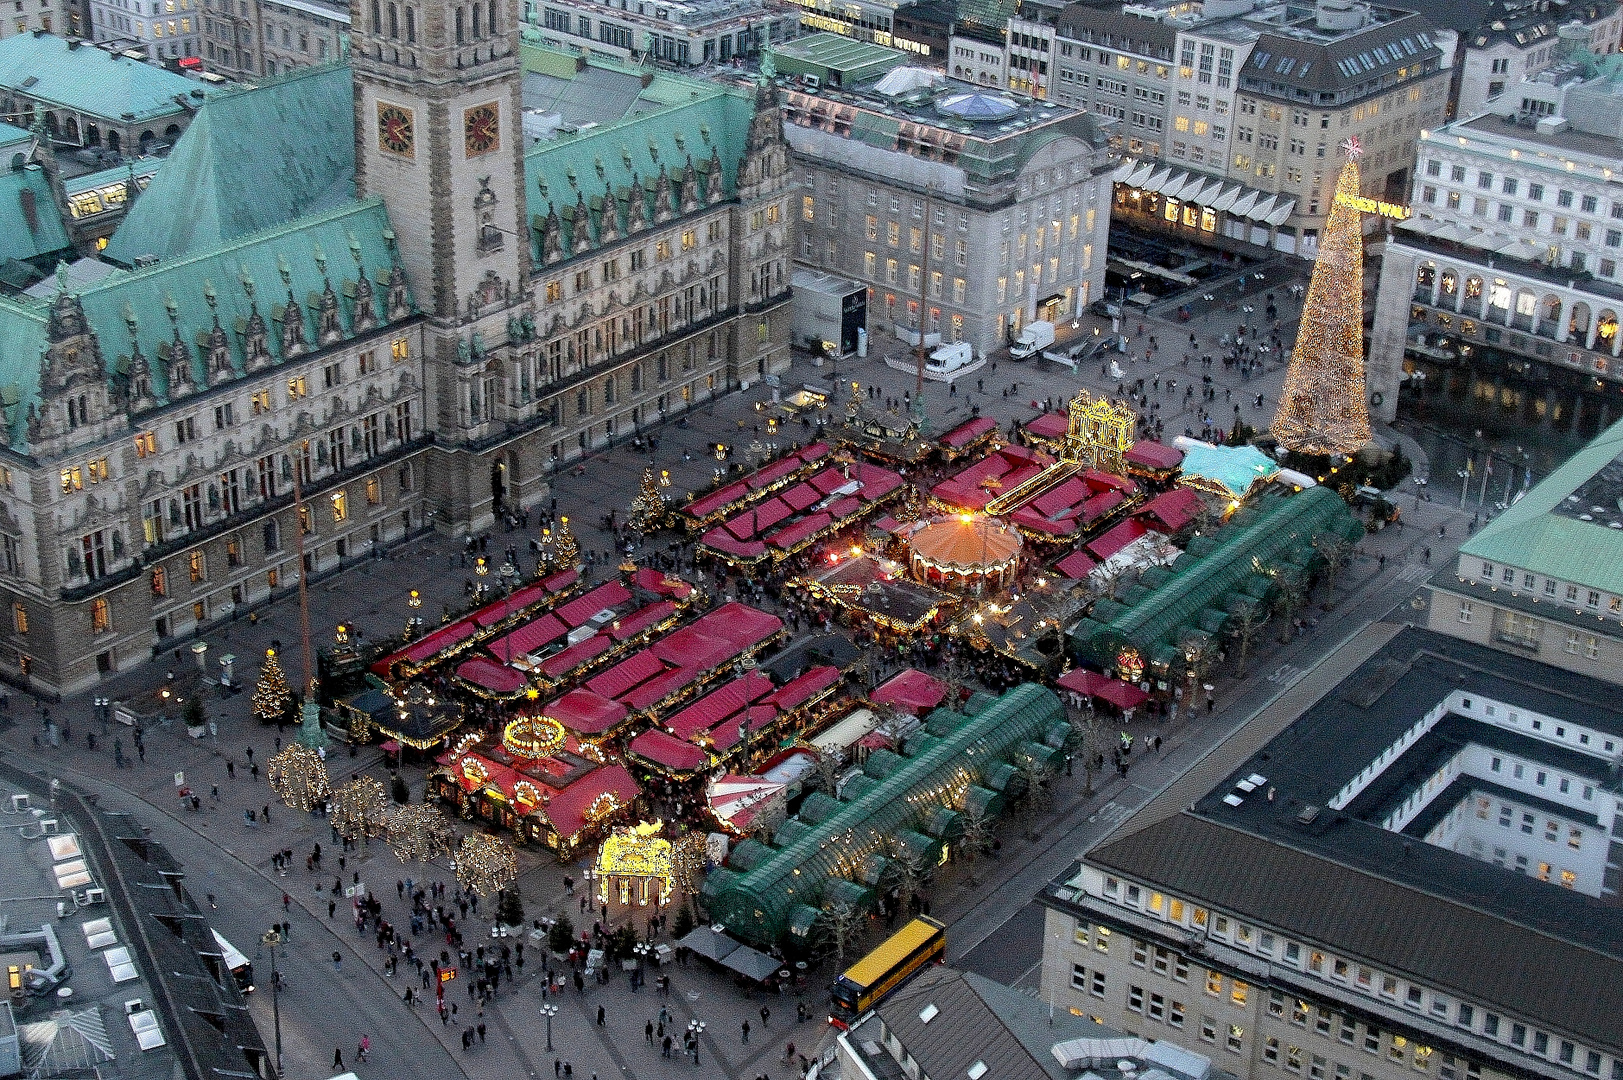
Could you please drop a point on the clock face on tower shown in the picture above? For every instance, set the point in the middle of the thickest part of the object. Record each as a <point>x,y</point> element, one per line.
<point>396,132</point>
<point>481,129</point>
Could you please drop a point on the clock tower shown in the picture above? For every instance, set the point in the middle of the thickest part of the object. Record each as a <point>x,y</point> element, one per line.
<point>438,136</point>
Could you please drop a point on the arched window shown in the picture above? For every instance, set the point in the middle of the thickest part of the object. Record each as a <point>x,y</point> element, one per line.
<point>411,25</point>
<point>394,21</point>
<point>492,20</point>
<point>459,37</point>
<point>377,21</point>
<point>476,21</point>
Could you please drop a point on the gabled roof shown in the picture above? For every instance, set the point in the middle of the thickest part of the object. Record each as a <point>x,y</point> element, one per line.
<point>1531,535</point>
<point>30,222</point>
<point>252,159</point>
<point>92,81</point>
<point>574,170</point>
<point>350,240</point>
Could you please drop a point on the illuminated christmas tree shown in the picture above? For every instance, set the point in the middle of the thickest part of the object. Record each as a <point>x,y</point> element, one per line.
<point>565,552</point>
<point>648,508</point>
<point>271,692</point>
<point>1323,408</point>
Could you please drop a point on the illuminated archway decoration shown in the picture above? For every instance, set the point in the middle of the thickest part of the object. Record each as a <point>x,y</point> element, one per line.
<point>635,862</point>
<point>526,794</point>
<point>474,771</point>
<point>602,807</point>
<point>533,737</point>
<point>1099,434</point>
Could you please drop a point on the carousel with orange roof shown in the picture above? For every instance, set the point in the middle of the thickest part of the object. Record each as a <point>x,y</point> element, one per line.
<point>966,553</point>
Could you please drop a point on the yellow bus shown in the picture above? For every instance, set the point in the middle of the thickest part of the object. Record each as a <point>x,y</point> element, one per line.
<point>865,983</point>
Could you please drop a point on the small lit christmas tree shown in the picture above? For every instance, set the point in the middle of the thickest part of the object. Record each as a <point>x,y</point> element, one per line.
<point>1323,408</point>
<point>648,508</point>
<point>565,552</point>
<point>271,692</point>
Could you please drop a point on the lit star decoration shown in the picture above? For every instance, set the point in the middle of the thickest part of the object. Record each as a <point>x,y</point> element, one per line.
<point>484,864</point>
<point>299,777</point>
<point>1352,148</point>
<point>1323,408</point>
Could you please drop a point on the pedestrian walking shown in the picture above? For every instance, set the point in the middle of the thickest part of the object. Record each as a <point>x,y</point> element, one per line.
<point>746,1033</point>
<point>602,1017</point>
<point>648,1032</point>
<point>766,1014</point>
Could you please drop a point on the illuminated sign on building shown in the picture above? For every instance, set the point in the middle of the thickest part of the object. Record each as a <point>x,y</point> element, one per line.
<point>1373,206</point>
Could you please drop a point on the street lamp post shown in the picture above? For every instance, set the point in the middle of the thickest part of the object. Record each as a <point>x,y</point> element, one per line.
<point>549,1011</point>
<point>695,1029</point>
<point>273,938</point>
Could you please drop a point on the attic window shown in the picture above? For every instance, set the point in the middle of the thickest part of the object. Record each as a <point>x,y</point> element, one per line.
<point>29,82</point>
<point>977,1070</point>
<point>928,1013</point>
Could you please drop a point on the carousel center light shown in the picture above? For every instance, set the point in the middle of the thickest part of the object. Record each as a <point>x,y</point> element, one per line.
<point>533,736</point>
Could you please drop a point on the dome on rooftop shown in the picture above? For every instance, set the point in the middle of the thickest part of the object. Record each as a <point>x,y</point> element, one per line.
<point>978,106</point>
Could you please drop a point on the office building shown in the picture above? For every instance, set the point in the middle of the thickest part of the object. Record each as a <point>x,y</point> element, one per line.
<point>1416,876</point>
<point>990,210</point>
<point>683,33</point>
<point>1504,281</point>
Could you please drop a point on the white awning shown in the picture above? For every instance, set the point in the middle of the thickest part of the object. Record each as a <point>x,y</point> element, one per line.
<point>1225,200</point>
<point>1452,231</point>
<point>1484,240</point>
<point>1265,206</point>
<point>1141,174</point>
<point>1192,187</point>
<point>1521,249</point>
<point>1244,204</point>
<point>1281,212</point>
<point>1158,181</point>
<point>1124,170</point>
<point>1208,192</point>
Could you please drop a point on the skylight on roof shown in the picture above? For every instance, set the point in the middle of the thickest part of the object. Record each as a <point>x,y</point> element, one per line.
<point>1262,59</point>
<point>1306,67</point>
<point>977,1070</point>
<point>928,1013</point>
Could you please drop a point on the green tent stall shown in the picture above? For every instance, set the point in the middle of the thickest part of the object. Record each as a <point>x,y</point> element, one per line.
<point>823,864</point>
<point>748,854</point>
<point>984,801</point>
<point>818,807</point>
<point>1264,537</point>
<point>944,824</point>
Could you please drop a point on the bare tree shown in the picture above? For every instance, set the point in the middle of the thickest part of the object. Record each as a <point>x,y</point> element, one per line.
<point>1038,776</point>
<point>842,924</point>
<point>1336,549</point>
<point>1088,739</point>
<point>1248,622</point>
<point>1292,594</point>
<point>977,838</point>
<point>828,769</point>
<point>911,869</point>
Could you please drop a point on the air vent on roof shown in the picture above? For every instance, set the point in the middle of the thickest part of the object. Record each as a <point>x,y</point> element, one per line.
<point>928,1013</point>
<point>1308,815</point>
<point>1233,800</point>
<point>977,1070</point>
<point>30,81</point>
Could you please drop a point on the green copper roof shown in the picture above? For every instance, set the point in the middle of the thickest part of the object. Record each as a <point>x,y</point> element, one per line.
<point>30,223</point>
<point>91,80</point>
<point>169,300</point>
<point>1543,532</point>
<point>11,134</point>
<point>571,173</point>
<point>251,160</point>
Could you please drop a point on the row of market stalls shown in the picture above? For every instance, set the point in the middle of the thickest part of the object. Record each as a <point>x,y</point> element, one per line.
<point>911,798</point>
<point>784,524</point>
<point>1149,625</point>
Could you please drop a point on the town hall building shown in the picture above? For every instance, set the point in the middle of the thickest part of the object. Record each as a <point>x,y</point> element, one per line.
<point>360,302</point>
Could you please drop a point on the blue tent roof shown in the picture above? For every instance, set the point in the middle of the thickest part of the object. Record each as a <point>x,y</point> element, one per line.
<point>1236,468</point>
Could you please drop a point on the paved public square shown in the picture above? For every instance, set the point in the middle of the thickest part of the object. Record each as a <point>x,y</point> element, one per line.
<point>328,1005</point>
